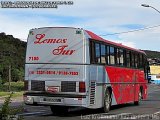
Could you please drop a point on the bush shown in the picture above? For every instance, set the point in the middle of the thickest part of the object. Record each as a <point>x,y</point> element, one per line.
<point>0,82</point>
<point>9,113</point>
<point>15,86</point>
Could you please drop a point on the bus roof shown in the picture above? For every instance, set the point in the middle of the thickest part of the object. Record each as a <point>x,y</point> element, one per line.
<point>98,38</point>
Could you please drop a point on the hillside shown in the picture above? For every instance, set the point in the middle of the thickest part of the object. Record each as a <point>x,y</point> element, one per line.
<point>152,54</point>
<point>153,57</point>
<point>12,52</point>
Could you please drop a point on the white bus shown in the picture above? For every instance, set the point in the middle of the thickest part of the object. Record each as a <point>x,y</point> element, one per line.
<point>71,67</point>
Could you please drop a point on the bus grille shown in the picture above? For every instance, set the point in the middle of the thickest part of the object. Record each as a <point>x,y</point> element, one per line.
<point>37,85</point>
<point>68,86</point>
<point>92,92</point>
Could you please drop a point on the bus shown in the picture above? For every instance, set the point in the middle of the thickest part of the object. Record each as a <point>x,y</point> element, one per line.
<point>69,67</point>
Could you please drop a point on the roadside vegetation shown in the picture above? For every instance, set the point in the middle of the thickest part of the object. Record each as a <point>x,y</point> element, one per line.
<point>15,87</point>
<point>12,58</point>
<point>10,113</point>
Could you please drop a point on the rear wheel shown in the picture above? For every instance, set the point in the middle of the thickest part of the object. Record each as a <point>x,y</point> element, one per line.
<point>107,101</point>
<point>139,98</point>
<point>59,110</point>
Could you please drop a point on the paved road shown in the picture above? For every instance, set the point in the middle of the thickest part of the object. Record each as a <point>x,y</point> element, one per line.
<point>149,109</point>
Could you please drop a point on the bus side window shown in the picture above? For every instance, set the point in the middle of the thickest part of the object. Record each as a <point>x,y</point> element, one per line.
<point>132,59</point>
<point>117,56</point>
<point>136,61</point>
<point>103,54</point>
<point>112,56</point>
<point>124,58</point>
<point>97,53</point>
<point>92,52</point>
<point>107,54</point>
<point>128,59</point>
<point>121,57</point>
<point>141,61</point>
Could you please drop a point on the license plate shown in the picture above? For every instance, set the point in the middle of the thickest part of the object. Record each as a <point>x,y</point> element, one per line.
<point>51,100</point>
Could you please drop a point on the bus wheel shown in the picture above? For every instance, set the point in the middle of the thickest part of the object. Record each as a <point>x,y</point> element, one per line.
<point>107,101</point>
<point>139,98</point>
<point>59,110</point>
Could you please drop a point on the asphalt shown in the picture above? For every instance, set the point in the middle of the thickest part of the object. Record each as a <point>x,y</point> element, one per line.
<point>148,109</point>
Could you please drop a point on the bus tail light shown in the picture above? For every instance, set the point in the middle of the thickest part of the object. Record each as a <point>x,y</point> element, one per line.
<point>82,87</point>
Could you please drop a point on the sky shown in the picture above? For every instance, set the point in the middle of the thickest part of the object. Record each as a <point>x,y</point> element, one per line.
<point>103,17</point>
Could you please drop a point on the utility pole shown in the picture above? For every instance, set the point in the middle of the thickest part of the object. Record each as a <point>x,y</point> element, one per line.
<point>9,78</point>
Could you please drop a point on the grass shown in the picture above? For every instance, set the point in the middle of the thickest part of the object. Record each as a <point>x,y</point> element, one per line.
<point>15,94</point>
<point>16,87</point>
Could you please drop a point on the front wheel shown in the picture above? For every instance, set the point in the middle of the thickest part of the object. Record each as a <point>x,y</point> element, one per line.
<point>107,101</point>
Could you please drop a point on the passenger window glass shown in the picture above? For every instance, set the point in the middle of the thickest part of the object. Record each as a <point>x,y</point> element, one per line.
<point>97,56</point>
<point>128,58</point>
<point>141,61</point>
<point>108,56</point>
<point>136,61</point>
<point>133,60</point>
<point>117,57</point>
<point>121,57</point>
<point>103,54</point>
<point>92,52</point>
<point>112,56</point>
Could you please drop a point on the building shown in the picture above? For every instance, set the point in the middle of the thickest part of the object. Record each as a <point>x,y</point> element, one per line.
<point>155,74</point>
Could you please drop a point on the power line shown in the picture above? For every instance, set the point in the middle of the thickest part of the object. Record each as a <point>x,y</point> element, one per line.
<point>145,28</point>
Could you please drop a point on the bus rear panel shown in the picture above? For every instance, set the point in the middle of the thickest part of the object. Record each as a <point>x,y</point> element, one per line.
<point>56,65</point>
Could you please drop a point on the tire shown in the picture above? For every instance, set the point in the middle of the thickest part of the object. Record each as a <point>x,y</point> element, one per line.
<point>139,98</point>
<point>59,110</point>
<point>107,101</point>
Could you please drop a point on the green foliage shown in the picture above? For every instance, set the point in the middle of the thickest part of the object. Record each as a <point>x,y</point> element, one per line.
<point>15,86</point>
<point>17,74</point>
<point>5,107</point>
<point>12,52</point>
<point>0,80</point>
<point>7,112</point>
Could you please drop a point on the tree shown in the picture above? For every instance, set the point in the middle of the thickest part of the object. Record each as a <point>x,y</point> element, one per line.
<point>17,74</point>
<point>12,52</point>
